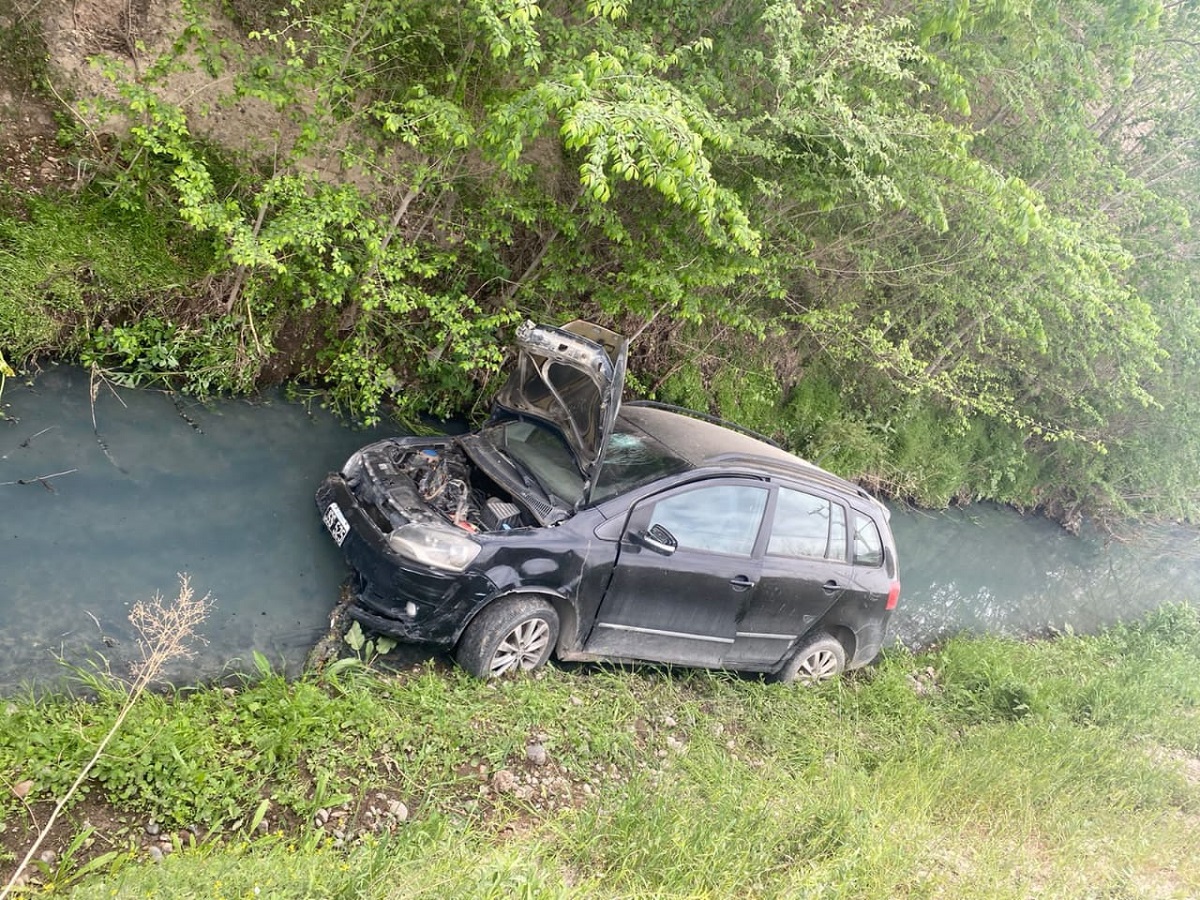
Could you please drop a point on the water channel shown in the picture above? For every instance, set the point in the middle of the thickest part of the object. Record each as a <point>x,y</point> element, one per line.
<point>107,493</point>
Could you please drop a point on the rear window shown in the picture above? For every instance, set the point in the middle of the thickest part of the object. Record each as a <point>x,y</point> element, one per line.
<point>868,545</point>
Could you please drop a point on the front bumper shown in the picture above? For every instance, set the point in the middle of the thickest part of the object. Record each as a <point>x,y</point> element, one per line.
<point>395,596</point>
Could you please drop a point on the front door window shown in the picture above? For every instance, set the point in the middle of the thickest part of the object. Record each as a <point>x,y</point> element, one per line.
<point>720,519</point>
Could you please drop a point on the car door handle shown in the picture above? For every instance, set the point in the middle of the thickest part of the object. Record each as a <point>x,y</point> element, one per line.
<point>830,586</point>
<point>741,583</point>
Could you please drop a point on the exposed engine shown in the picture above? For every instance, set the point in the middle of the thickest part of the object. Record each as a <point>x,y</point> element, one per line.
<point>442,479</point>
<point>450,485</point>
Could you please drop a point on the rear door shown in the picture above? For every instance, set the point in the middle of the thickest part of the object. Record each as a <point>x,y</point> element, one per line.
<point>805,571</point>
<point>688,560</point>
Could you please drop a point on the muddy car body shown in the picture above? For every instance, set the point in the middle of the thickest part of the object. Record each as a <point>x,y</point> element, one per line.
<point>574,525</point>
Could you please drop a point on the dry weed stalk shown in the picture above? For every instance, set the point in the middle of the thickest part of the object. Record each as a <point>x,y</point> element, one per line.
<point>166,630</point>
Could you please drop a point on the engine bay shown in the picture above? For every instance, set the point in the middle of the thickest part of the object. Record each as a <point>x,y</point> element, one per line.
<point>448,483</point>
<point>387,474</point>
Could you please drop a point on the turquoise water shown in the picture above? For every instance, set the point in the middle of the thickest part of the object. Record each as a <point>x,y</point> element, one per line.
<point>986,569</point>
<point>161,485</point>
<point>153,484</point>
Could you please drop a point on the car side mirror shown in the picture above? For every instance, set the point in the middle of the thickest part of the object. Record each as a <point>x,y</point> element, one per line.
<point>658,539</point>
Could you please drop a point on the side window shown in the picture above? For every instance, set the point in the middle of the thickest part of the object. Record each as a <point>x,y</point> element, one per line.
<point>868,546</point>
<point>807,526</point>
<point>721,519</point>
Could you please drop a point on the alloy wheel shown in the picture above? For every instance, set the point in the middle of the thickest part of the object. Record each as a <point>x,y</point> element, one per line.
<point>818,666</point>
<point>522,648</point>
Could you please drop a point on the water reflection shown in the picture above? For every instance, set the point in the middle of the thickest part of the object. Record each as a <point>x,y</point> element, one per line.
<point>986,569</point>
<point>224,492</point>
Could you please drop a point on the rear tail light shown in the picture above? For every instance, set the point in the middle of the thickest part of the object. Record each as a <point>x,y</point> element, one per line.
<point>893,595</point>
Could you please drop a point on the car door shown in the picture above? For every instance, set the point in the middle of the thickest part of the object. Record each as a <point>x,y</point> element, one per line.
<point>805,571</point>
<point>686,563</point>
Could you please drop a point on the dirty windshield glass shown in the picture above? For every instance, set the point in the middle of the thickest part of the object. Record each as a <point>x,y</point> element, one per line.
<point>631,459</point>
<point>544,455</point>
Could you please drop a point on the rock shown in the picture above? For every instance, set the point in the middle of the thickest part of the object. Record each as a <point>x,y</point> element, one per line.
<point>155,853</point>
<point>504,781</point>
<point>22,788</point>
<point>536,754</point>
<point>153,828</point>
<point>398,811</point>
<point>48,857</point>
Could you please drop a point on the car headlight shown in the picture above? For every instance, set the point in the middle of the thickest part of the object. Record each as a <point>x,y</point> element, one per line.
<point>437,546</point>
<point>353,464</point>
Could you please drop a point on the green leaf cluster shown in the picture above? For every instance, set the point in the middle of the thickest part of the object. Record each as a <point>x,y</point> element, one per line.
<point>972,221</point>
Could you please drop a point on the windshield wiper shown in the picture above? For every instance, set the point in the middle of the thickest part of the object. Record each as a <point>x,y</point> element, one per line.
<point>535,484</point>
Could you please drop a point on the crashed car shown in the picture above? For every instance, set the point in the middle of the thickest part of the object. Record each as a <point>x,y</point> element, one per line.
<point>577,526</point>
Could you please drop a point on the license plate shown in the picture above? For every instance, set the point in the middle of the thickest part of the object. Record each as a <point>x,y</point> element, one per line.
<point>336,523</point>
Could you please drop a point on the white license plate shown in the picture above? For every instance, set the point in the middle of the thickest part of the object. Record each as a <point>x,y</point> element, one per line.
<point>336,523</point>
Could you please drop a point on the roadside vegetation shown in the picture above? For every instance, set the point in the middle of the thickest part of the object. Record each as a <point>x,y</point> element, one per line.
<point>945,250</point>
<point>985,767</point>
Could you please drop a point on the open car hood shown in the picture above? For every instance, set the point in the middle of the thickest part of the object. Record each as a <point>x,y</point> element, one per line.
<point>569,377</point>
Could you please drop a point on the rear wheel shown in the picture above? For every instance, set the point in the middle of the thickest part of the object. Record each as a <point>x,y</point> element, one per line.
<point>508,636</point>
<point>818,659</point>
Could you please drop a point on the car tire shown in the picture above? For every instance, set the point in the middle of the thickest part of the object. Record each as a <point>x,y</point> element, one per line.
<point>511,635</point>
<point>818,659</point>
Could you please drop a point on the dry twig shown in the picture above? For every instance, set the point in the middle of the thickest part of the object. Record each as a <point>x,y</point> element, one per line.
<point>166,630</point>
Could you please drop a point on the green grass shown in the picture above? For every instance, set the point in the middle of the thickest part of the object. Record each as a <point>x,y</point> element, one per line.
<point>68,262</point>
<point>986,768</point>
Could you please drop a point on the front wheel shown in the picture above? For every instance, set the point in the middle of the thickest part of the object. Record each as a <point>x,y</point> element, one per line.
<point>818,659</point>
<point>507,636</point>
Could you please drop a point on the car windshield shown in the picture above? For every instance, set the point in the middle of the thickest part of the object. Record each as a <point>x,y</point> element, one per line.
<point>543,454</point>
<point>631,459</point>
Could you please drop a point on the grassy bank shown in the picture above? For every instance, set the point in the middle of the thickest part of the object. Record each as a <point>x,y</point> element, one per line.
<point>987,768</point>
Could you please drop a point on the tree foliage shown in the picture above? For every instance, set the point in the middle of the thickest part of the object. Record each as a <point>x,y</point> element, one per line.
<point>971,223</point>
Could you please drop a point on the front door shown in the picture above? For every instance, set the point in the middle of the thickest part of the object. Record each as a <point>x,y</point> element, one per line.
<point>686,565</point>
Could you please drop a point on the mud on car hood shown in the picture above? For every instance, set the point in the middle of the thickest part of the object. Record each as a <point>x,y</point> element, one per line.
<point>571,378</point>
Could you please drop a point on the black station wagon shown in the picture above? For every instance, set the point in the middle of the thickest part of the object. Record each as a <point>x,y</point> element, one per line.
<point>578,526</point>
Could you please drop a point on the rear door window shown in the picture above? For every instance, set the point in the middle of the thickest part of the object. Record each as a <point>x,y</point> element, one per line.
<point>807,527</point>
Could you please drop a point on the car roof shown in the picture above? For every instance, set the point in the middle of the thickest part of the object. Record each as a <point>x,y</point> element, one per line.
<point>705,444</point>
